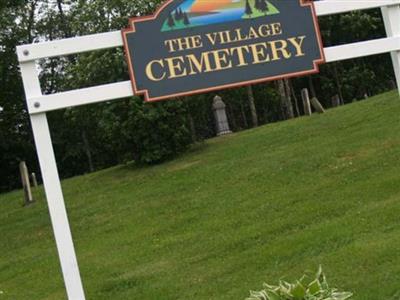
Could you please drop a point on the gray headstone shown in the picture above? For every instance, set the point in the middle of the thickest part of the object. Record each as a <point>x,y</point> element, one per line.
<point>221,120</point>
<point>34,180</point>
<point>336,101</point>
<point>306,102</point>
<point>26,185</point>
<point>317,105</point>
<point>393,84</point>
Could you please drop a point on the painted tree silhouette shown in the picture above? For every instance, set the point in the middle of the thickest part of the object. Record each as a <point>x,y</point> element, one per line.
<point>258,5</point>
<point>170,21</point>
<point>178,14</point>
<point>186,20</point>
<point>263,6</point>
<point>248,11</point>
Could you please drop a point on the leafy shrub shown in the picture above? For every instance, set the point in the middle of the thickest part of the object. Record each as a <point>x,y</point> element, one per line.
<point>315,288</point>
<point>157,131</point>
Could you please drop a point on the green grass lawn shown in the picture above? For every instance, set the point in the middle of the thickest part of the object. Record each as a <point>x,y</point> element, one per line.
<point>229,215</point>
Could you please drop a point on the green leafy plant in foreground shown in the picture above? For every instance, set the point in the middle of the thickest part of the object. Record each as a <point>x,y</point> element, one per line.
<point>304,289</point>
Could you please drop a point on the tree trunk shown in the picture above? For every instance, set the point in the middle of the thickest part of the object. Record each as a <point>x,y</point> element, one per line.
<point>231,113</point>
<point>337,81</point>
<point>192,126</point>
<point>88,153</point>
<point>31,21</point>
<point>252,105</point>
<point>286,103</point>
<point>312,87</point>
<point>64,23</point>
<point>296,100</point>
<point>245,123</point>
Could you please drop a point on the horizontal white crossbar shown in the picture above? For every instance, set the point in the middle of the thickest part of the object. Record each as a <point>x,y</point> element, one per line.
<point>80,97</point>
<point>124,89</point>
<point>70,46</point>
<point>114,39</point>
<point>331,7</point>
<point>361,49</point>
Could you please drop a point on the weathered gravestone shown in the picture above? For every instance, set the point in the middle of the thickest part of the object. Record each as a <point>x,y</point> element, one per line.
<point>317,105</point>
<point>26,185</point>
<point>336,101</point>
<point>221,120</point>
<point>306,102</point>
<point>34,180</point>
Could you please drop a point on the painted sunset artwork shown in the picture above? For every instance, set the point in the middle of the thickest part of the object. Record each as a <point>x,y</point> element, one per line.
<point>194,13</point>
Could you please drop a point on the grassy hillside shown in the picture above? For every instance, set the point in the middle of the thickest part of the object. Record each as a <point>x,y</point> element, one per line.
<point>231,214</point>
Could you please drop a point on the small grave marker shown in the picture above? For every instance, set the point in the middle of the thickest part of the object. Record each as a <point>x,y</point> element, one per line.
<point>306,102</point>
<point>34,180</point>
<point>336,101</point>
<point>317,105</point>
<point>23,169</point>
<point>221,120</point>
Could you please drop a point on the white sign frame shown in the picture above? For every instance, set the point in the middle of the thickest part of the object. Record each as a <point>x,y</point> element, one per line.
<point>39,104</point>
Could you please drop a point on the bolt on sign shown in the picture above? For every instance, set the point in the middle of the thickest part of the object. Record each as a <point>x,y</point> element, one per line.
<point>194,46</point>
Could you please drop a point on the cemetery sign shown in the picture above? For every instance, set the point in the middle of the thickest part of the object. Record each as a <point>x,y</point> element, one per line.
<point>194,46</point>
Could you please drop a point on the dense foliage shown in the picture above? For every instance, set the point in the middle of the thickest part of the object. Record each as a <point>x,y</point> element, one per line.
<point>94,137</point>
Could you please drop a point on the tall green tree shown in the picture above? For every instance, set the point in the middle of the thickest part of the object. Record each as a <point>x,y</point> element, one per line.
<point>17,25</point>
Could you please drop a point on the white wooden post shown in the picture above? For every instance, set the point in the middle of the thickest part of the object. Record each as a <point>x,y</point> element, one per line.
<point>51,180</point>
<point>391,17</point>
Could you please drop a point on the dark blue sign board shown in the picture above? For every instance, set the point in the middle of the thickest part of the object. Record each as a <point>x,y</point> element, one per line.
<point>196,46</point>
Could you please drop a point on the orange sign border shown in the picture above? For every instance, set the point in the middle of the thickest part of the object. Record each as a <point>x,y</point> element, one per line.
<point>154,16</point>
